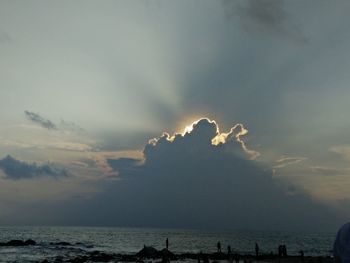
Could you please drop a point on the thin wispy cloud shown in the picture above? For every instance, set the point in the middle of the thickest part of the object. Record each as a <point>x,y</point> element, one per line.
<point>286,161</point>
<point>46,123</point>
<point>39,120</point>
<point>70,126</point>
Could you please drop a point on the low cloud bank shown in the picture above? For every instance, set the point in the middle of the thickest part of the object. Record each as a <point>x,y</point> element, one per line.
<point>16,170</point>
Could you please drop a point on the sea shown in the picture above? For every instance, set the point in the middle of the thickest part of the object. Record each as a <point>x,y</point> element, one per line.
<point>132,240</point>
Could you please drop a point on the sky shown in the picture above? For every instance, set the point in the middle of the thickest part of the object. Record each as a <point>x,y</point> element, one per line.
<point>227,114</point>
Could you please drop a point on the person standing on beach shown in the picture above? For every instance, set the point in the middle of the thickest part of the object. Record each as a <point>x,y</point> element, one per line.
<point>341,247</point>
<point>229,254</point>
<point>256,249</point>
<point>284,251</point>
<point>167,243</point>
<point>219,247</point>
<point>279,250</point>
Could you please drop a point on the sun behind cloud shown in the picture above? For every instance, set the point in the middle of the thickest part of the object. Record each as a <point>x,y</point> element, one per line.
<point>235,133</point>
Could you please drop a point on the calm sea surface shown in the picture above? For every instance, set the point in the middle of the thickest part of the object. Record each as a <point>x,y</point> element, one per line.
<point>131,240</point>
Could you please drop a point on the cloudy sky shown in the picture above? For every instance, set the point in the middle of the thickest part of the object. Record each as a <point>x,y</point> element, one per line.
<point>194,114</point>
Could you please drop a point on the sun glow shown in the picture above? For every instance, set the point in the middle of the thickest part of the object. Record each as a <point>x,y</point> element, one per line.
<point>188,129</point>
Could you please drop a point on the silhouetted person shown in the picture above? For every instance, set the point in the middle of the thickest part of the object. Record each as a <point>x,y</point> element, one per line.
<point>301,255</point>
<point>167,243</point>
<point>280,251</point>
<point>256,249</point>
<point>165,258</point>
<point>284,251</point>
<point>236,257</point>
<point>229,254</point>
<point>341,247</point>
<point>219,247</point>
<point>200,255</point>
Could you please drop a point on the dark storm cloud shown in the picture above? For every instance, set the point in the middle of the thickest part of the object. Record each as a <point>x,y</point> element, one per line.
<point>15,169</point>
<point>263,16</point>
<point>126,165</point>
<point>187,181</point>
<point>39,120</point>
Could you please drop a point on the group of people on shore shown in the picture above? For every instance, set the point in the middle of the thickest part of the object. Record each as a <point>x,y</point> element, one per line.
<point>341,248</point>
<point>282,251</point>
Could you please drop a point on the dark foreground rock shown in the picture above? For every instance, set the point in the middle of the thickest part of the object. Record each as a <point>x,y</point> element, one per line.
<point>18,243</point>
<point>148,252</point>
<point>151,252</point>
<point>62,243</point>
<point>30,242</point>
<point>167,254</point>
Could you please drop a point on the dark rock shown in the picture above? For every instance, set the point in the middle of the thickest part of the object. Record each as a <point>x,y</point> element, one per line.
<point>18,243</point>
<point>127,258</point>
<point>101,257</point>
<point>15,243</point>
<point>79,259</point>
<point>219,256</point>
<point>59,259</point>
<point>30,242</point>
<point>148,252</point>
<point>166,253</point>
<point>62,243</point>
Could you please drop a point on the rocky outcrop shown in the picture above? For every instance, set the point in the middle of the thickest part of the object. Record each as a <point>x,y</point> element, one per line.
<point>18,243</point>
<point>148,252</point>
<point>62,243</point>
<point>165,253</point>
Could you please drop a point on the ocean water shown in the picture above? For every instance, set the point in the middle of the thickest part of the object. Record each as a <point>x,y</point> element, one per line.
<point>131,240</point>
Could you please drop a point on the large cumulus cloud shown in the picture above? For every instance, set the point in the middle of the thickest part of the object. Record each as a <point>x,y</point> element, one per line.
<point>201,178</point>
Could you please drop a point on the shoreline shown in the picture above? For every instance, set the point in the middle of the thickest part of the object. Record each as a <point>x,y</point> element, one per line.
<point>149,254</point>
